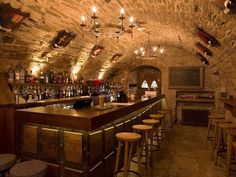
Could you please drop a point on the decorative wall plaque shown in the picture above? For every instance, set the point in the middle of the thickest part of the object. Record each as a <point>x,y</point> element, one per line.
<point>63,39</point>
<point>115,57</point>
<point>11,18</point>
<point>96,50</point>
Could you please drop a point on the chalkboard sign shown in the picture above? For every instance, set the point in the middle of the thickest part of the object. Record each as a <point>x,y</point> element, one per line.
<point>186,77</point>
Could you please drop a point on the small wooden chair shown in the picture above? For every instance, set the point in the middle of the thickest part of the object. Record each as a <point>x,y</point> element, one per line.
<point>215,135</point>
<point>223,127</point>
<point>128,139</point>
<point>211,124</point>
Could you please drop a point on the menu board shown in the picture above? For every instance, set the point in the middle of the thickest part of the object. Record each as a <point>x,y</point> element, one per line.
<point>186,77</point>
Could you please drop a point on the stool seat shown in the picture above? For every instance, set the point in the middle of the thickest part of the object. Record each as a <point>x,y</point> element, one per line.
<point>141,127</point>
<point>128,136</point>
<point>7,161</point>
<point>31,168</point>
<point>157,116</point>
<point>151,121</point>
<point>221,121</point>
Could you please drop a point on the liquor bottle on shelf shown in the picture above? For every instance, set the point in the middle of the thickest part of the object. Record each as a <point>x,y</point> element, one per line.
<point>11,76</point>
<point>27,77</point>
<point>17,75</point>
<point>41,77</point>
<point>22,76</point>
<point>46,77</point>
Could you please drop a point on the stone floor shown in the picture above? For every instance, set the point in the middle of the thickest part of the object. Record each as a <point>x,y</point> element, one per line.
<point>183,154</point>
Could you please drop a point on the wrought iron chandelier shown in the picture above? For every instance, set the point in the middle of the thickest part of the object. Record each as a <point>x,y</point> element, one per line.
<point>95,25</point>
<point>150,50</point>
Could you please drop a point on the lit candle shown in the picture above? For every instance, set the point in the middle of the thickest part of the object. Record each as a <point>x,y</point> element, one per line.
<point>94,10</point>
<point>83,19</point>
<point>131,20</point>
<point>122,12</point>
<point>161,51</point>
<point>141,49</point>
<point>136,52</point>
<point>155,49</point>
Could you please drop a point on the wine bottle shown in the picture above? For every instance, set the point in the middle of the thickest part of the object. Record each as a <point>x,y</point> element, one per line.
<point>22,76</point>
<point>17,75</point>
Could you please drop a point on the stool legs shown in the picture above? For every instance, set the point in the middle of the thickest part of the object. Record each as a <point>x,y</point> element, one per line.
<point>214,142</point>
<point>208,131</point>
<point>117,157</point>
<point>126,159</point>
<point>229,152</point>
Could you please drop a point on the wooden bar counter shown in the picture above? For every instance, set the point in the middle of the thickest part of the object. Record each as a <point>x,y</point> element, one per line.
<point>77,142</point>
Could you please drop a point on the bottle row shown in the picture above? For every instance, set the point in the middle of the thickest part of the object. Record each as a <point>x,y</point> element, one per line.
<point>20,75</point>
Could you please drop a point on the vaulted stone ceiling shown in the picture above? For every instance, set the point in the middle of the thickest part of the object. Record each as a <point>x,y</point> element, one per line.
<point>172,23</point>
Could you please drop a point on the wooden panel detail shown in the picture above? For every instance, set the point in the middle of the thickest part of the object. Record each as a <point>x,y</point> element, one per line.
<point>95,146</point>
<point>97,170</point>
<point>109,139</point>
<point>109,164</point>
<point>53,170</point>
<point>68,172</point>
<point>50,144</point>
<point>30,140</point>
<point>73,147</point>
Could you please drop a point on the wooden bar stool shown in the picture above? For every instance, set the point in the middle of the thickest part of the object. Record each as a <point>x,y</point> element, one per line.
<point>128,139</point>
<point>215,135</point>
<point>31,168</point>
<point>231,146</point>
<point>155,124</point>
<point>167,112</point>
<point>160,117</point>
<point>223,128</point>
<point>6,162</point>
<point>147,134</point>
<point>211,124</point>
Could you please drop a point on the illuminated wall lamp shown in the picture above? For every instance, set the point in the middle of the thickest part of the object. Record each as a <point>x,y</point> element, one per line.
<point>207,38</point>
<point>202,59</point>
<point>204,49</point>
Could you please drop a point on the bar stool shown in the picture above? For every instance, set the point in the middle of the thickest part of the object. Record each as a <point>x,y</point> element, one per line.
<point>215,135</point>
<point>160,117</point>
<point>31,168</point>
<point>210,124</point>
<point>155,124</point>
<point>167,112</point>
<point>6,162</point>
<point>220,140</point>
<point>231,145</point>
<point>128,139</point>
<point>146,132</point>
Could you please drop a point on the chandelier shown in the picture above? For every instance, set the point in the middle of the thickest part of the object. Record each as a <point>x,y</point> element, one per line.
<point>150,50</point>
<point>95,25</point>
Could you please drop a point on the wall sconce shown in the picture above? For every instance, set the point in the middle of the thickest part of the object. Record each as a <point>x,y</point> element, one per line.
<point>115,57</point>
<point>63,39</point>
<point>204,49</point>
<point>11,18</point>
<point>207,38</point>
<point>202,59</point>
<point>96,50</point>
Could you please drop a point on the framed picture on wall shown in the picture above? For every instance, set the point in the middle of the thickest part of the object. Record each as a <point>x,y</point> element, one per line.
<point>186,77</point>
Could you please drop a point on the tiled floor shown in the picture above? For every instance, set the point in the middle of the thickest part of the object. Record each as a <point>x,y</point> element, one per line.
<point>183,154</point>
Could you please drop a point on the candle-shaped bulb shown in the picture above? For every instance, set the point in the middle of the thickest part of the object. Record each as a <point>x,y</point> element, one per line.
<point>94,9</point>
<point>161,51</point>
<point>155,49</point>
<point>131,20</point>
<point>136,52</point>
<point>83,19</point>
<point>122,11</point>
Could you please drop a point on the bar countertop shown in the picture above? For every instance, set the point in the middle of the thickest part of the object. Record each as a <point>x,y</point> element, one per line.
<point>83,119</point>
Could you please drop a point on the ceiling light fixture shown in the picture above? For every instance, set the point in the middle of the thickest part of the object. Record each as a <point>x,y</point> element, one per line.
<point>149,50</point>
<point>95,25</point>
